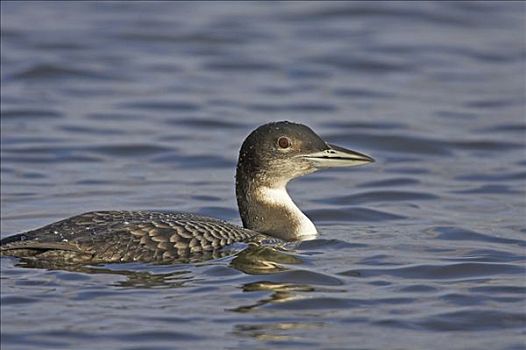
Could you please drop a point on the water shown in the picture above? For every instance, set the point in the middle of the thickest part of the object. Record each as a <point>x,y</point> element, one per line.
<point>132,105</point>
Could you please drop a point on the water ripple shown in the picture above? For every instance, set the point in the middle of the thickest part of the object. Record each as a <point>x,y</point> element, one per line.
<point>395,143</point>
<point>460,234</point>
<point>352,214</point>
<point>29,114</point>
<point>168,106</point>
<point>379,196</point>
<point>447,272</point>
<point>50,71</point>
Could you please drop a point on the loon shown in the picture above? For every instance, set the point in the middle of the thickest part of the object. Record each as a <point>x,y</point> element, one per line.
<point>270,157</point>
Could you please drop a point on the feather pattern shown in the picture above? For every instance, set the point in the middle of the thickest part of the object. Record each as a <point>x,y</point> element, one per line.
<point>126,236</point>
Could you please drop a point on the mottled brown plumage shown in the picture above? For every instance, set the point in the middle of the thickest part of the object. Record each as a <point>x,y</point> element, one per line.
<point>126,236</point>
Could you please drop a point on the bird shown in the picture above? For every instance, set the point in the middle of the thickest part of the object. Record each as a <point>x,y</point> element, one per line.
<point>270,156</point>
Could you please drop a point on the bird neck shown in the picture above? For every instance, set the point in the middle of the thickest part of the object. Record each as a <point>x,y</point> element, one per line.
<point>267,208</point>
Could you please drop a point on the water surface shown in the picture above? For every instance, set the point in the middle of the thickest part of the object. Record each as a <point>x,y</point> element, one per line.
<point>131,105</point>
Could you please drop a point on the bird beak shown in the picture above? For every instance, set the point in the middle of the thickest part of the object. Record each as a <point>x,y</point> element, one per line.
<point>336,156</point>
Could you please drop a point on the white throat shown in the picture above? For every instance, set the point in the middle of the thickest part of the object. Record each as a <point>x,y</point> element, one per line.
<point>301,228</point>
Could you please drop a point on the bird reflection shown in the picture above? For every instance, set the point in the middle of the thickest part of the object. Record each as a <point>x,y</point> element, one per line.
<point>280,292</point>
<point>263,259</point>
<point>255,259</point>
<point>266,260</point>
<point>274,331</point>
<point>133,279</point>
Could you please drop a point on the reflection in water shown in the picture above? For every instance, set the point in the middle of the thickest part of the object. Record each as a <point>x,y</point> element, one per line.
<point>280,292</point>
<point>270,262</point>
<point>255,259</point>
<point>133,279</point>
<point>262,259</point>
<point>272,331</point>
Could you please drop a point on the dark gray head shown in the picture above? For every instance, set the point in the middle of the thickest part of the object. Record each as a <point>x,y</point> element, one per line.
<point>272,155</point>
<point>277,152</point>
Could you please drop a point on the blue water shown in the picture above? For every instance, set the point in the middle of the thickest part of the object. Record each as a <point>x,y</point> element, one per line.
<point>140,105</point>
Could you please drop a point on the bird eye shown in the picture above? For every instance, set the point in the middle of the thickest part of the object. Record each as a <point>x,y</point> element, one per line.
<point>284,142</point>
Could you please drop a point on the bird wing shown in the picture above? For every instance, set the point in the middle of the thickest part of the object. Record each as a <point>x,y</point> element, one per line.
<point>118,236</point>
